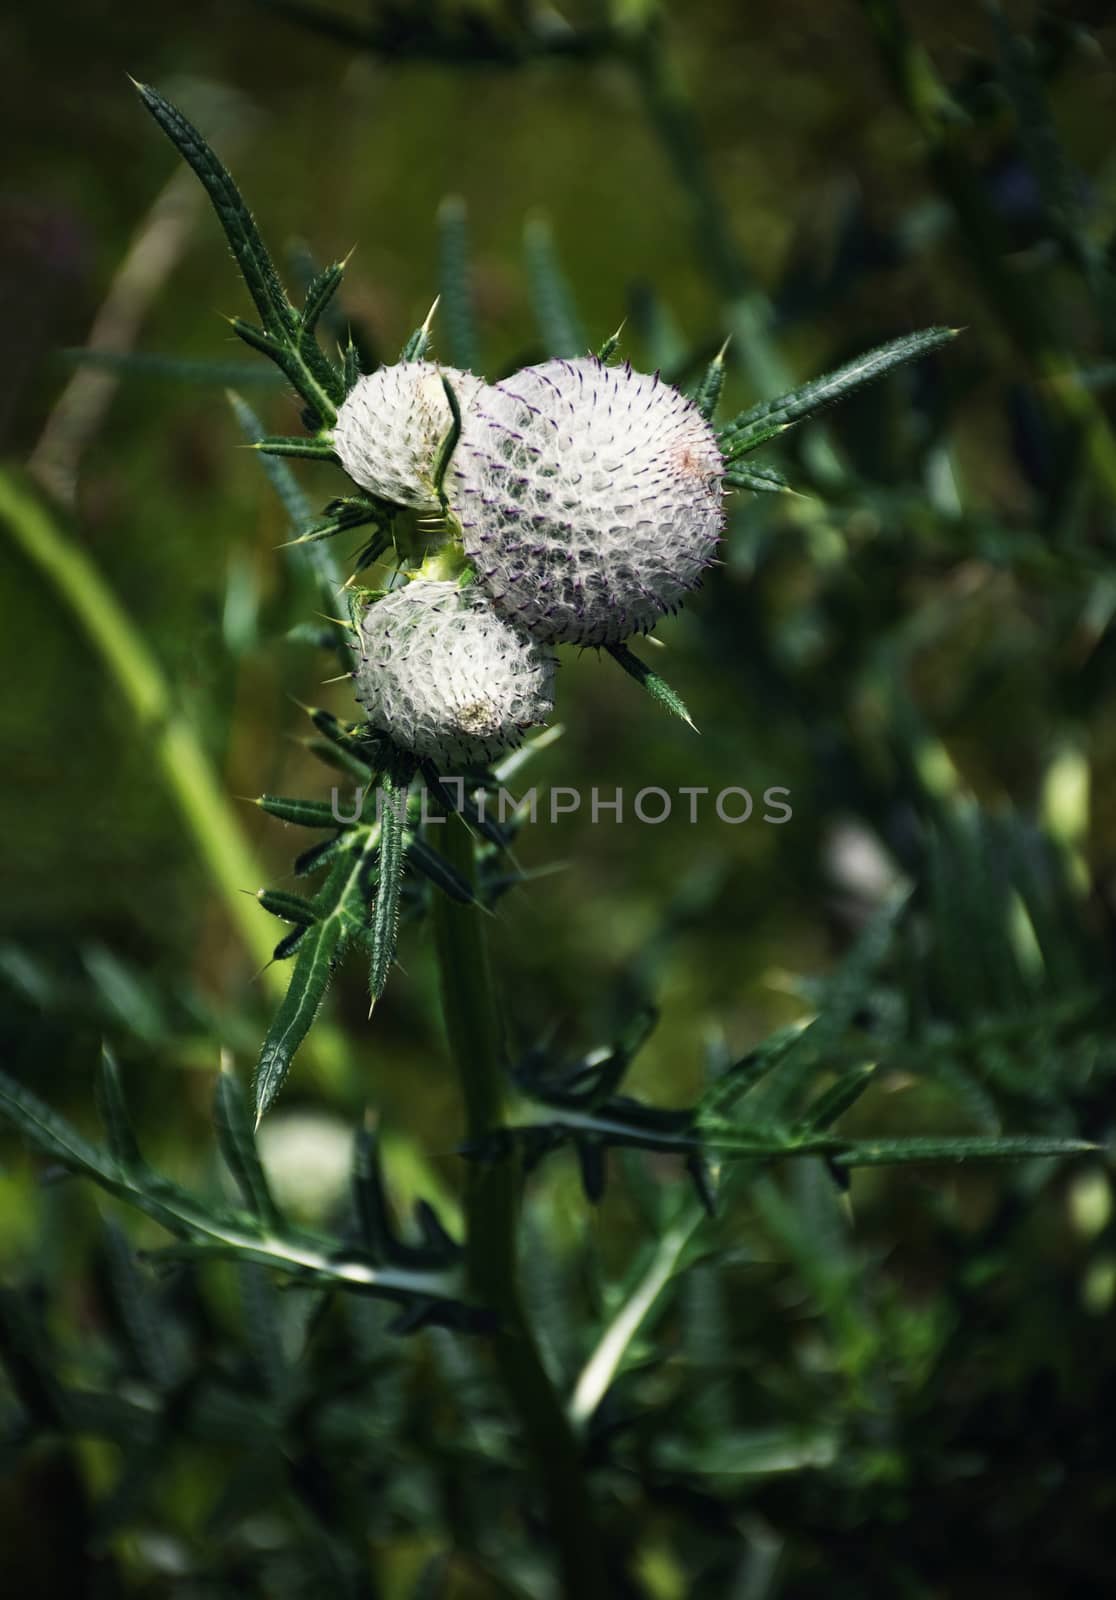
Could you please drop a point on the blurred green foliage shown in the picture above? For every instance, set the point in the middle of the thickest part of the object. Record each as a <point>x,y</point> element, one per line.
<point>918,645</point>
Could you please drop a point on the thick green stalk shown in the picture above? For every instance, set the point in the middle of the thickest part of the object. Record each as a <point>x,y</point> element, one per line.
<point>185,768</point>
<point>491,1211</point>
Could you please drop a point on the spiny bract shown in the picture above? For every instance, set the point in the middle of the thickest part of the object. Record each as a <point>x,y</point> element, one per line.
<point>391,426</point>
<point>589,498</point>
<point>448,677</point>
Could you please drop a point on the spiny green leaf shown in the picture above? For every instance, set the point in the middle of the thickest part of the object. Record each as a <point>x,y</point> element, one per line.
<point>837,1099</point>
<point>319,293</point>
<point>656,686</point>
<point>761,480</point>
<point>555,311</point>
<point>416,346</point>
<point>342,760</point>
<point>358,599</point>
<point>303,813</point>
<point>385,916</point>
<point>708,392</point>
<point>238,1147</point>
<point>351,372</point>
<point>318,447</point>
<point>744,1075</point>
<point>448,800</point>
<point>317,953</point>
<point>334,326</point>
<point>457,293</point>
<point>753,427</point>
<point>318,856</point>
<point>342,907</point>
<point>419,342</point>
<point>610,346</point>
<point>256,339</point>
<point>316,380</point>
<point>256,266</point>
<point>346,737</point>
<point>341,516</point>
<point>977,1147</point>
<point>760,433</point>
<point>288,944</point>
<point>377,546</point>
<point>288,907</point>
<point>214,1231</point>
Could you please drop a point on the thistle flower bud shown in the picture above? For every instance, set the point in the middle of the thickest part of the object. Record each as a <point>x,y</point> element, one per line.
<point>391,425</point>
<point>589,498</point>
<point>447,677</point>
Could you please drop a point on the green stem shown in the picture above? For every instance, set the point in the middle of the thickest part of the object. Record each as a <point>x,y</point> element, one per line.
<point>491,1210</point>
<point>185,767</point>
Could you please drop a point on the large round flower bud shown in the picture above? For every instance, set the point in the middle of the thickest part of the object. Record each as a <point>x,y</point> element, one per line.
<point>446,676</point>
<point>589,498</point>
<point>391,425</point>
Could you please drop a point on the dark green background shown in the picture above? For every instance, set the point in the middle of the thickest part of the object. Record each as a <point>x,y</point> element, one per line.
<point>995,629</point>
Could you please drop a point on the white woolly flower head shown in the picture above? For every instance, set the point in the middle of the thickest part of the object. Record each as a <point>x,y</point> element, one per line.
<point>391,425</point>
<point>448,677</point>
<point>589,498</point>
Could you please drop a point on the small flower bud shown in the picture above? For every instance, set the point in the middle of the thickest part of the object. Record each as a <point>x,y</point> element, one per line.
<point>447,677</point>
<point>391,425</point>
<point>589,498</point>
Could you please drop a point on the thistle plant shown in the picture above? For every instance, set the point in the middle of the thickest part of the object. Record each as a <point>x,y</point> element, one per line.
<point>492,521</point>
<point>391,427</point>
<point>444,676</point>
<point>589,498</point>
<point>597,483</point>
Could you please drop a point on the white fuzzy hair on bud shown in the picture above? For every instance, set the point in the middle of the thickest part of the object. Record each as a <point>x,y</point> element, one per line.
<point>448,677</point>
<point>589,498</point>
<point>391,426</point>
